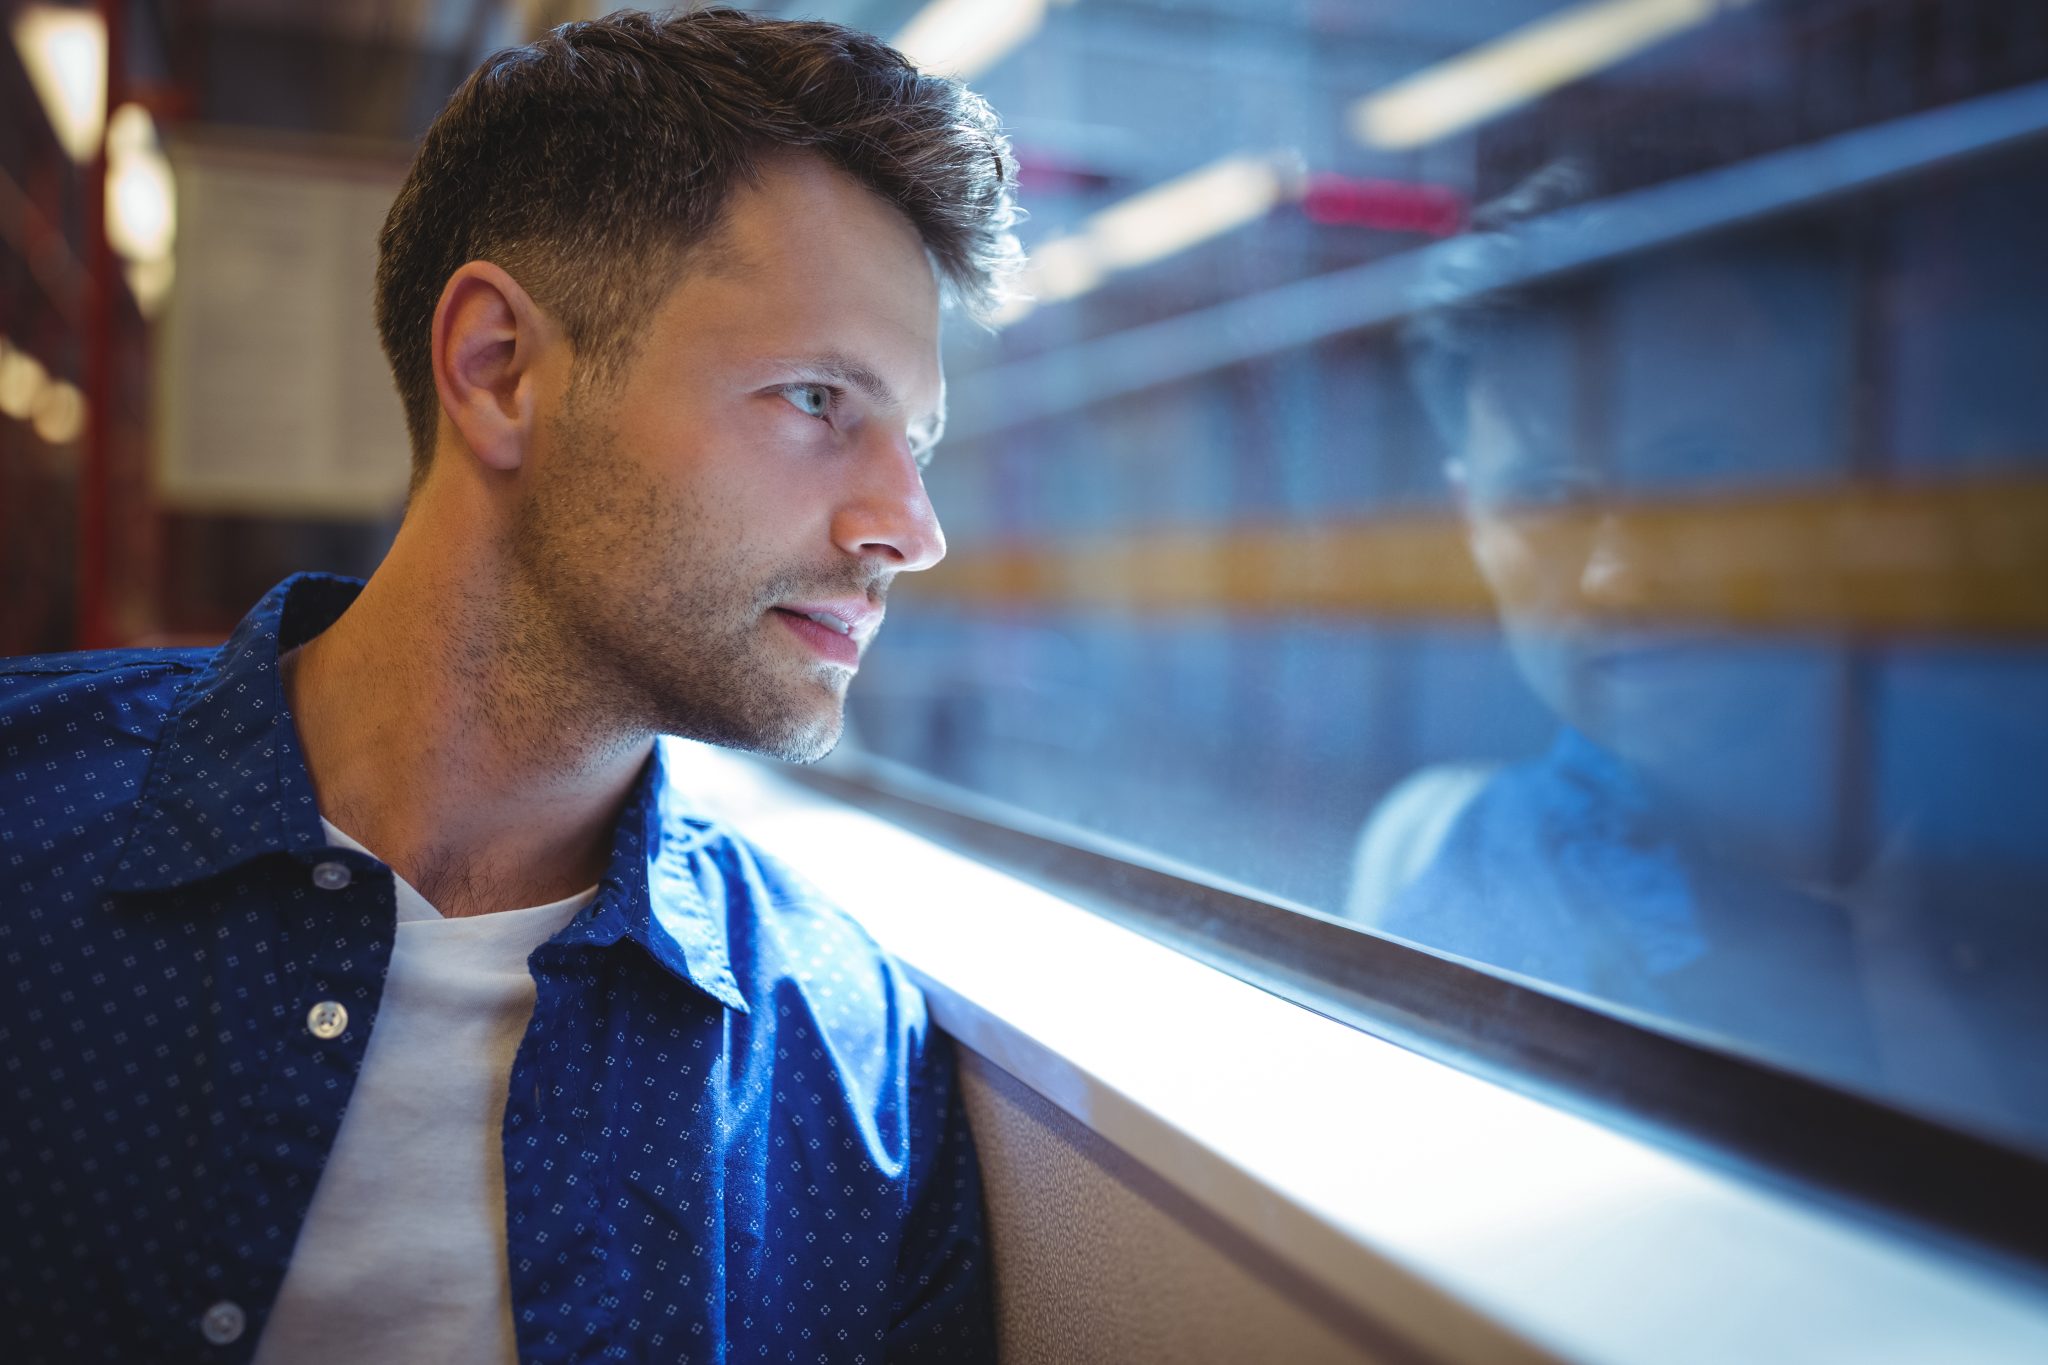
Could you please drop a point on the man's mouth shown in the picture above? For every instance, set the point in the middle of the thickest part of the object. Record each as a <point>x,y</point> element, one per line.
<point>835,631</point>
<point>823,618</point>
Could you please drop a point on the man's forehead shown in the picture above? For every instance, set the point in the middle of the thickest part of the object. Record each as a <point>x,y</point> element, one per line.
<point>799,208</point>
<point>809,265</point>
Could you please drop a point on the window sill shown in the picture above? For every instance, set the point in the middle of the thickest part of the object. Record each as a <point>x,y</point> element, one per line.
<point>1476,1222</point>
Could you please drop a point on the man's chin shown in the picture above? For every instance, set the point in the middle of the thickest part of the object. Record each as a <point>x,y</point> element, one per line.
<point>790,738</point>
<point>807,748</point>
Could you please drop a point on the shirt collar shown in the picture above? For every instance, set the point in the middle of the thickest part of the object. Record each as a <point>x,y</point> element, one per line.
<point>228,783</point>
<point>653,890</point>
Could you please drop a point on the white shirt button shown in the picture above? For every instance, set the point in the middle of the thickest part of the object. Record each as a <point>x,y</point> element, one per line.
<point>330,876</point>
<point>222,1324</point>
<point>328,1019</point>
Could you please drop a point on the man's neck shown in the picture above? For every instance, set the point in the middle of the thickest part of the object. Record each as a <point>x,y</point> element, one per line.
<point>432,739</point>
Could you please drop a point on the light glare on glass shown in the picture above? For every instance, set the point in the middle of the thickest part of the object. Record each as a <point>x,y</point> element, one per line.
<point>1169,218</point>
<point>1153,224</point>
<point>964,38</point>
<point>1527,63</point>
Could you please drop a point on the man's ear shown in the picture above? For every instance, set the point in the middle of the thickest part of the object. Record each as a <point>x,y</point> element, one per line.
<point>490,339</point>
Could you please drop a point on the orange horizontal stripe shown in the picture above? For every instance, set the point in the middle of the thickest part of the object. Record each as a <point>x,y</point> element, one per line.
<point>1954,558</point>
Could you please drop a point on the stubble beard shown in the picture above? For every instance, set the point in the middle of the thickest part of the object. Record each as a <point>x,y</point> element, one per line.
<point>622,609</point>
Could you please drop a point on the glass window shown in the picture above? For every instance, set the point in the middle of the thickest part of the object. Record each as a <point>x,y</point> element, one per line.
<point>1561,484</point>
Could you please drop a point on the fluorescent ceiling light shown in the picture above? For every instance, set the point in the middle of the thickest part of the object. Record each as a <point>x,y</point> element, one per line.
<point>65,53</point>
<point>1154,224</point>
<point>1168,219</point>
<point>964,38</point>
<point>1527,63</point>
<point>1061,269</point>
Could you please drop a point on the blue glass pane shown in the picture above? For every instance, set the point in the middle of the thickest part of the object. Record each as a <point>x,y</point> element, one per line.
<point>1585,516</point>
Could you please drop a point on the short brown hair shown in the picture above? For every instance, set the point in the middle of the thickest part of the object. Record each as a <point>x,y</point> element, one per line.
<point>589,162</point>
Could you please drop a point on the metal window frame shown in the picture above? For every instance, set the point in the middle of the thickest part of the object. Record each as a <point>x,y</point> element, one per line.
<point>1966,1193</point>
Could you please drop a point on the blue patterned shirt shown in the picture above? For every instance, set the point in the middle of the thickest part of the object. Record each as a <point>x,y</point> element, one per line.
<point>731,1132</point>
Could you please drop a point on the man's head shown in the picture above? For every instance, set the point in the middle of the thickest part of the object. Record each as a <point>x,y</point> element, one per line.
<point>662,299</point>
<point>1596,537</point>
<point>1492,366</point>
<point>590,164</point>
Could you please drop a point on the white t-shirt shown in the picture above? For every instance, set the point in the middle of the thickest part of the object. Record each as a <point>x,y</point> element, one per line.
<point>402,1256</point>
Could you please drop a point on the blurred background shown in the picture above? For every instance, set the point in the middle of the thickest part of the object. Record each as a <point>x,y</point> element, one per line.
<point>170,448</point>
<point>1563,482</point>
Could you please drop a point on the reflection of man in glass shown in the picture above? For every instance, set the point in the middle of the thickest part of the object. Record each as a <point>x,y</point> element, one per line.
<point>1638,860</point>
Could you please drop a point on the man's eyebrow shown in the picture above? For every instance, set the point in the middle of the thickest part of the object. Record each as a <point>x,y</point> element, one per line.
<point>845,370</point>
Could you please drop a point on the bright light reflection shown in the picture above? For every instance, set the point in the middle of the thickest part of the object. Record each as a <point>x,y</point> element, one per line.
<point>1168,219</point>
<point>150,282</point>
<point>65,53</point>
<point>60,413</point>
<point>964,38</point>
<point>1153,224</point>
<point>1064,268</point>
<point>22,377</point>
<point>1529,62</point>
<point>142,206</point>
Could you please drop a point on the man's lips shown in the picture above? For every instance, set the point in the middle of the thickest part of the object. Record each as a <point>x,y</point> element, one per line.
<point>833,630</point>
<point>849,616</point>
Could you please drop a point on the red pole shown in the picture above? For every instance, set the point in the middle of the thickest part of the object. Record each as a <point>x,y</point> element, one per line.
<point>95,485</point>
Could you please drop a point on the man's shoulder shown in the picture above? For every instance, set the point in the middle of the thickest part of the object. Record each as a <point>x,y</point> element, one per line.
<point>784,903</point>
<point>85,673</point>
<point>757,890</point>
<point>792,947</point>
<point>119,694</point>
<point>787,937</point>
<point>76,735</point>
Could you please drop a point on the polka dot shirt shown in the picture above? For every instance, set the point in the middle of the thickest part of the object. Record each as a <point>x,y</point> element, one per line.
<point>731,1134</point>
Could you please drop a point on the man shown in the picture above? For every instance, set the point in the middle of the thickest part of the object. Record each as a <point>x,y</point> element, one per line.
<point>376,995</point>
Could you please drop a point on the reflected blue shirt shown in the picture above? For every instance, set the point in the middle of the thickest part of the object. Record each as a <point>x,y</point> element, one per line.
<point>1564,869</point>
<point>732,1132</point>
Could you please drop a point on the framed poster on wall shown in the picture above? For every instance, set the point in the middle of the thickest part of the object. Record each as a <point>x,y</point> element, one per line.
<point>274,397</point>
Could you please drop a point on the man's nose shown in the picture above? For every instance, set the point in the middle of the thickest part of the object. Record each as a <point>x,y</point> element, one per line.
<point>886,514</point>
<point>1612,578</point>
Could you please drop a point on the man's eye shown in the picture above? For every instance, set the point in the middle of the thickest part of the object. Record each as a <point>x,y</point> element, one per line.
<point>814,400</point>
